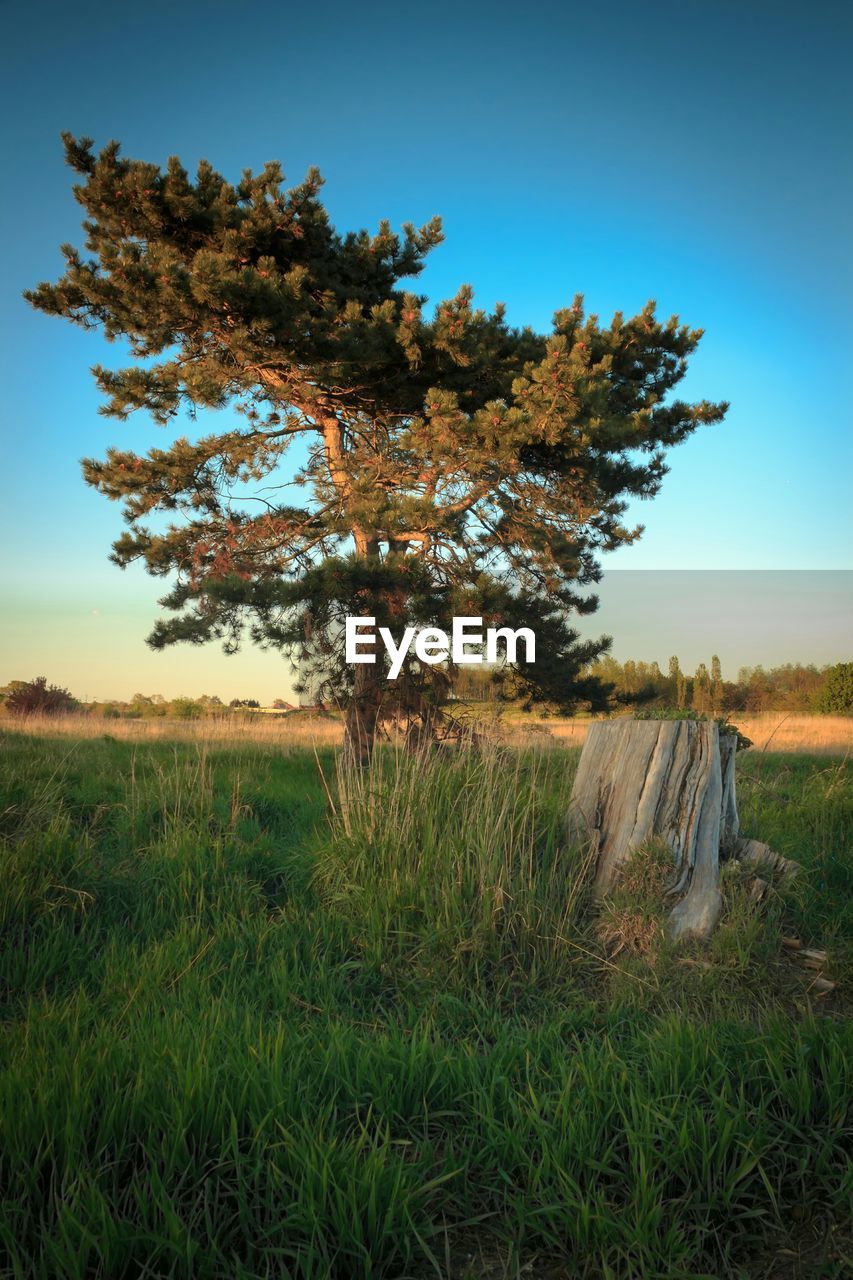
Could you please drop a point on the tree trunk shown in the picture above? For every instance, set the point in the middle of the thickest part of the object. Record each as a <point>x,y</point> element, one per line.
<point>362,715</point>
<point>667,779</point>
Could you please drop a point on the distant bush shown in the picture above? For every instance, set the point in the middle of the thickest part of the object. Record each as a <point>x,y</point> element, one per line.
<point>186,709</point>
<point>145,707</point>
<point>37,697</point>
<point>836,696</point>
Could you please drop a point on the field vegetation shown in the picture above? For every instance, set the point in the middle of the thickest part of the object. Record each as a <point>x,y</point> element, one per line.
<point>771,732</point>
<point>265,1016</point>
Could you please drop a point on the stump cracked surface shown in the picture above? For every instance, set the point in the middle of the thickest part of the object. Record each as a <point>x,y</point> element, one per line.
<point>668,779</point>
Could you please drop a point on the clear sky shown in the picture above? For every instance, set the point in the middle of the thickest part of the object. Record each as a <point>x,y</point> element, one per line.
<point>695,153</point>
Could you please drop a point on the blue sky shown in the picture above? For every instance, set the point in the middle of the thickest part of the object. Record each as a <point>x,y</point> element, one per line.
<point>694,153</point>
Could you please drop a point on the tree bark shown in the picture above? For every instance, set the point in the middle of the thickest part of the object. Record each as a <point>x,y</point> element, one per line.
<point>362,715</point>
<point>760,857</point>
<point>363,710</point>
<point>667,779</point>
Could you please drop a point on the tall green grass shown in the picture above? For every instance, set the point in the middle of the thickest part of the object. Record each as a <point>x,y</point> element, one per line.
<point>456,868</point>
<point>247,1032</point>
<point>803,808</point>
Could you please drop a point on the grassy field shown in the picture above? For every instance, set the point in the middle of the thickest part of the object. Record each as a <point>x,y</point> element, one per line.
<point>261,1018</point>
<point>771,731</point>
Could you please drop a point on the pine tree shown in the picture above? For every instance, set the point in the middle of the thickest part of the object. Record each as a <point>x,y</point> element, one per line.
<point>679,684</point>
<point>454,464</point>
<point>716,683</point>
<point>701,700</point>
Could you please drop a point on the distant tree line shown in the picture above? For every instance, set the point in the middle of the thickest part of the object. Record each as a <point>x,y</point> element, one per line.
<point>37,697</point>
<point>793,687</point>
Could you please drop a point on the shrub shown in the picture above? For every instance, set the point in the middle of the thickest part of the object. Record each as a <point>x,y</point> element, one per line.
<point>37,697</point>
<point>186,709</point>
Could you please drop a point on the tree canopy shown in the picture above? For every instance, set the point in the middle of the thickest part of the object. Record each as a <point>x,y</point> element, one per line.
<point>451,463</point>
<point>836,696</point>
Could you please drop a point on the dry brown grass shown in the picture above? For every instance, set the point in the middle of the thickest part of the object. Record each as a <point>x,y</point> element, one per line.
<point>631,916</point>
<point>283,734</point>
<point>808,735</point>
<point>813,735</point>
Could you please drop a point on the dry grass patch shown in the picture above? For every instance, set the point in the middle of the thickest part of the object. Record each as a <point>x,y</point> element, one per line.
<point>799,734</point>
<point>631,917</point>
<point>298,731</point>
<point>803,734</point>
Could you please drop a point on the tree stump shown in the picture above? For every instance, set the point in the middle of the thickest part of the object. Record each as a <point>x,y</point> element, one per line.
<point>667,779</point>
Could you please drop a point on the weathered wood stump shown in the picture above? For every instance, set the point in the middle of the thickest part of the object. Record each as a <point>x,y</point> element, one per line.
<point>673,780</point>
